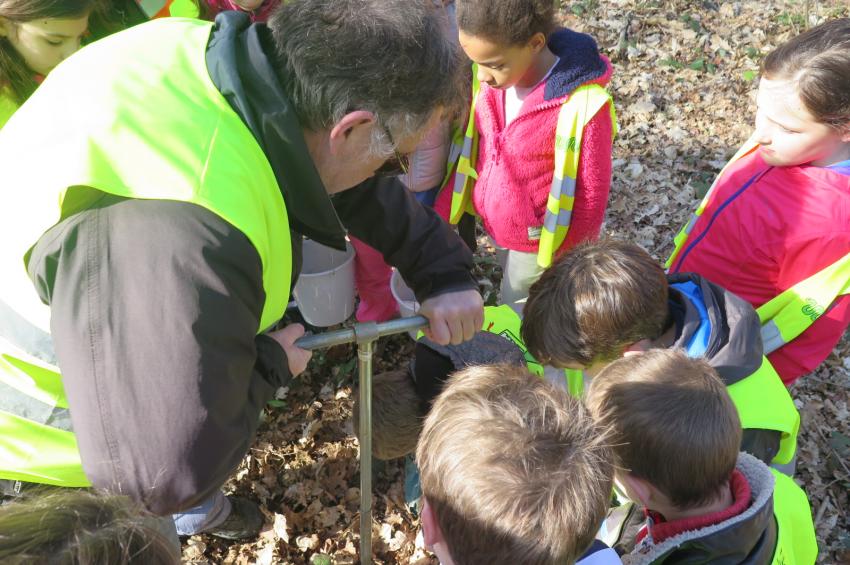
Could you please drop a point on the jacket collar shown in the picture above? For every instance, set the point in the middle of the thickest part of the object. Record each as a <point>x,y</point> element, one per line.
<point>734,347</point>
<point>242,72</point>
<point>580,63</point>
<point>749,537</point>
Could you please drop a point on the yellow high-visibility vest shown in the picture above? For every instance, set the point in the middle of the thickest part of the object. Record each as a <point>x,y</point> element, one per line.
<point>156,129</point>
<point>173,8</point>
<point>575,113</point>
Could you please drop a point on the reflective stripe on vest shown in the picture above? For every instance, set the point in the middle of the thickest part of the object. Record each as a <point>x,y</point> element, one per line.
<point>796,543</point>
<point>165,8</point>
<point>158,129</point>
<point>575,113</point>
<point>465,174</point>
<point>789,314</point>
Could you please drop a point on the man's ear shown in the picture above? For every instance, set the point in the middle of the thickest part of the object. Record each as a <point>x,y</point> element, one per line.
<point>5,27</point>
<point>431,532</point>
<point>352,128</point>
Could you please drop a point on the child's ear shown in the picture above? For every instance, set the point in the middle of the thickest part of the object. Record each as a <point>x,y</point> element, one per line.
<point>537,42</point>
<point>641,346</point>
<point>637,487</point>
<point>431,532</point>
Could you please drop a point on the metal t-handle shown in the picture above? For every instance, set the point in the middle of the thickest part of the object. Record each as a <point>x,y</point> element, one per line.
<point>365,335</point>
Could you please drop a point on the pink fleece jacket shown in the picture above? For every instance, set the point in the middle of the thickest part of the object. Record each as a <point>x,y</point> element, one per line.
<point>261,14</point>
<point>516,163</point>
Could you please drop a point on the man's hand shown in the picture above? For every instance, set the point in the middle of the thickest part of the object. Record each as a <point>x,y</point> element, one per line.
<point>297,357</point>
<point>454,317</point>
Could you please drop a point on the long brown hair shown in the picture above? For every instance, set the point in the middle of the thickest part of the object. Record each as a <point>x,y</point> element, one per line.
<point>14,73</point>
<point>819,62</point>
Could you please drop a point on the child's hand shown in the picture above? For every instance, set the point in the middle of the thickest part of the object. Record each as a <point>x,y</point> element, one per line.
<point>295,356</point>
<point>454,317</point>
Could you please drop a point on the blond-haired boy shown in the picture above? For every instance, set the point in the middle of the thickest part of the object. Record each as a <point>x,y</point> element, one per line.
<point>513,471</point>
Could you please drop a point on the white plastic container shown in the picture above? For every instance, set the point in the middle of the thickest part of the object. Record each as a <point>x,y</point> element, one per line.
<point>325,288</point>
<point>404,297</point>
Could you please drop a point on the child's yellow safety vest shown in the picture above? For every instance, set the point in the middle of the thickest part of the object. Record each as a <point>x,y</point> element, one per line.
<point>575,113</point>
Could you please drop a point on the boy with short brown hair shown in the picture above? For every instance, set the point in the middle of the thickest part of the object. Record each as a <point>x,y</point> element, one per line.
<point>676,433</point>
<point>602,300</point>
<point>513,471</point>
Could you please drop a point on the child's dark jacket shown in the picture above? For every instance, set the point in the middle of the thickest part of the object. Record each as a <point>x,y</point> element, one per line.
<point>749,538</point>
<point>733,346</point>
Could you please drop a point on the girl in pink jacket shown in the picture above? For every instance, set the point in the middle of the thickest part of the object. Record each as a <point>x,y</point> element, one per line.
<point>527,69</point>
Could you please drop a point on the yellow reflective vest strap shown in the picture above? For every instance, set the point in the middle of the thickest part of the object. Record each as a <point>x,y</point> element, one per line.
<point>465,174</point>
<point>575,113</point>
<point>682,237</point>
<point>763,402</point>
<point>36,441</point>
<point>791,313</point>
<point>157,129</point>
<point>174,8</point>
<point>8,106</point>
<point>796,542</point>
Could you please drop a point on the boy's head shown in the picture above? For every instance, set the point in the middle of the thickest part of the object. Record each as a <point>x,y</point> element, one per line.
<point>513,470</point>
<point>597,301</point>
<point>804,98</point>
<point>676,432</point>
<point>504,36</point>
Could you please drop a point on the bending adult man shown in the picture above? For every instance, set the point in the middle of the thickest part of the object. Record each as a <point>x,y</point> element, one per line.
<point>158,187</point>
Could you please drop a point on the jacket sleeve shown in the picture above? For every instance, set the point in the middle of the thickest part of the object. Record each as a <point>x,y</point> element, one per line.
<point>155,307</point>
<point>594,180</point>
<point>812,347</point>
<point>432,259</point>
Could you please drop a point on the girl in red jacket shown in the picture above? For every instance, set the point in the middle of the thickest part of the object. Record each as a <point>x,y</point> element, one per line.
<point>779,213</point>
<point>527,69</point>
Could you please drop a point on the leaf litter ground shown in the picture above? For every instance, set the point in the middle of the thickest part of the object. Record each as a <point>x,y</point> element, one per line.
<point>684,81</point>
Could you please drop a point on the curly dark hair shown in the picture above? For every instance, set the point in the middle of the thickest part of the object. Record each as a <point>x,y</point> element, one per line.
<point>506,22</point>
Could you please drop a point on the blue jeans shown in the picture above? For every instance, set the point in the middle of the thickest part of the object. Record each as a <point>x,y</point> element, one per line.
<point>206,516</point>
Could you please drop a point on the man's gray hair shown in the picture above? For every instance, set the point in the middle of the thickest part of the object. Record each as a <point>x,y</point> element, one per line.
<point>393,58</point>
